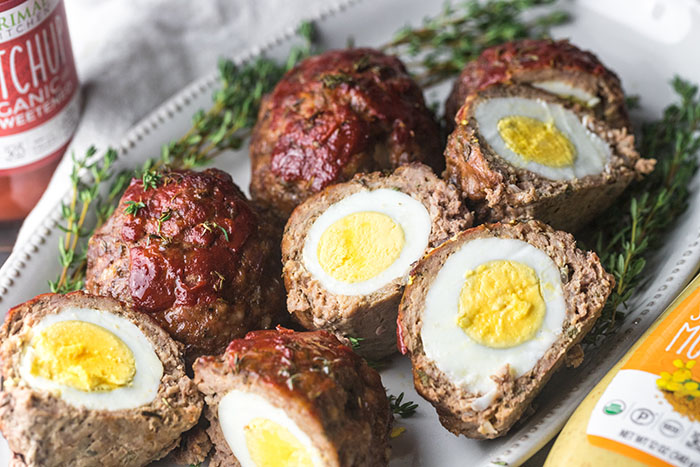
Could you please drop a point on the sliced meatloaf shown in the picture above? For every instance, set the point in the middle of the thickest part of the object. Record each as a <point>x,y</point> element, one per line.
<point>336,114</point>
<point>369,316</point>
<point>461,409</point>
<point>326,393</point>
<point>188,249</point>
<point>44,428</point>
<point>556,66</point>
<point>499,190</point>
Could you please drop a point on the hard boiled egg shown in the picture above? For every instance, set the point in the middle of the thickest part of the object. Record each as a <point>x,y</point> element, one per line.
<point>543,137</point>
<point>365,241</point>
<point>495,305</point>
<point>93,359</point>
<point>262,435</point>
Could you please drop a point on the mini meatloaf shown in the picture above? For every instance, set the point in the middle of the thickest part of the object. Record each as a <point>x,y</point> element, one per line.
<point>519,152</point>
<point>347,251</point>
<point>189,250</point>
<point>335,115</point>
<point>491,314</point>
<point>554,66</point>
<point>86,381</point>
<point>294,398</point>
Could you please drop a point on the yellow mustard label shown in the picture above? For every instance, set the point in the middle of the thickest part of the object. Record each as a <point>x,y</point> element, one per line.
<point>650,412</point>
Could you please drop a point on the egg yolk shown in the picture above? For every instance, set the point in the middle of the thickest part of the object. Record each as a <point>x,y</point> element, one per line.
<point>537,141</point>
<point>360,246</point>
<point>82,355</point>
<point>500,304</point>
<point>272,445</point>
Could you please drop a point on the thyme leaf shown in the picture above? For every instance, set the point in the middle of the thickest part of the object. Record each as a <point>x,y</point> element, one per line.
<point>132,207</point>
<point>399,407</point>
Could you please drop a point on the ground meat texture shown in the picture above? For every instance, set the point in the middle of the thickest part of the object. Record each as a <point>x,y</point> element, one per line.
<point>497,190</point>
<point>42,429</point>
<point>370,317</point>
<point>586,287</point>
<point>326,389</point>
<point>530,61</point>
<point>332,116</point>
<point>195,255</point>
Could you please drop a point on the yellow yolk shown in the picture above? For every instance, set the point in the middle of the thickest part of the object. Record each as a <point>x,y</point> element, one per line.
<point>272,445</point>
<point>82,355</point>
<point>537,141</point>
<point>360,246</point>
<point>500,304</point>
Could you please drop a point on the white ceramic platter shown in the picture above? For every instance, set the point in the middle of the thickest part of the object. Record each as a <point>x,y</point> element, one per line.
<point>645,41</point>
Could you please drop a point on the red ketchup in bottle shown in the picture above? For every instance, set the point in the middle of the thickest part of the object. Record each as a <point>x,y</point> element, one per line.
<point>39,100</point>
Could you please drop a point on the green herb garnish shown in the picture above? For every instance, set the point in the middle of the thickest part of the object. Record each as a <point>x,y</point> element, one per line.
<point>635,225</point>
<point>446,42</point>
<point>132,207</point>
<point>401,408</point>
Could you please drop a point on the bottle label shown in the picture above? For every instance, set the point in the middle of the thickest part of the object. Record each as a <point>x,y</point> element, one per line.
<point>650,411</point>
<point>39,104</point>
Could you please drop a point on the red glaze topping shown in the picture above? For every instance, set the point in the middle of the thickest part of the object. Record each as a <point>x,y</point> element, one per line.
<point>497,64</point>
<point>299,362</point>
<point>338,104</point>
<point>186,234</point>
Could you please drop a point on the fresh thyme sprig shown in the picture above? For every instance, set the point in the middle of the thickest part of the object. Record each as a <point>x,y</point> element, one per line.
<point>446,42</point>
<point>224,126</point>
<point>635,224</point>
<point>84,196</point>
<point>401,408</point>
<point>355,342</point>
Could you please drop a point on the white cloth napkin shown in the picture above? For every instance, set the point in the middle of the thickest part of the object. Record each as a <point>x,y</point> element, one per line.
<point>133,55</point>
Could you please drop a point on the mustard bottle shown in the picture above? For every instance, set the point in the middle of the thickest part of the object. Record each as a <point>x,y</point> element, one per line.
<point>646,410</point>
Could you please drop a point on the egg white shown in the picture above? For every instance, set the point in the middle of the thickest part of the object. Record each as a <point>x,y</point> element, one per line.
<point>149,369</point>
<point>465,362</point>
<point>592,153</point>
<point>567,91</point>
<point>407,212</point>
<point>238,408</point>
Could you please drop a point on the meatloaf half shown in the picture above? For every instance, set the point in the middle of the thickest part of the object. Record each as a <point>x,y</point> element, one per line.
<point>332,116</point>
<point>189,250</point>
<point>519,152</point>
<point>558,67</point>
<point>488,317</point>
<point>347,251</point>
<point>288,398</point>
<point>64,399</point>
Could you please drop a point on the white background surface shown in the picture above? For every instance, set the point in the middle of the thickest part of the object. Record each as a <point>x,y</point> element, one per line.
<point>645,59</point>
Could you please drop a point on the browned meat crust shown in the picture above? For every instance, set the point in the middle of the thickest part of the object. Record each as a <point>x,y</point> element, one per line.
<point>371,317</point>
<point>195,255</point>
<point>535,60</point>
<point>42,429</point>
<point>498,191</point>
<point>329,391</point>
<point>586,288</point>
<point>332,116</point>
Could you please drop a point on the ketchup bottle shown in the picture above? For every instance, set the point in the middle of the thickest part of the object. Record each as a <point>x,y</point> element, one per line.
<point>39,100</point>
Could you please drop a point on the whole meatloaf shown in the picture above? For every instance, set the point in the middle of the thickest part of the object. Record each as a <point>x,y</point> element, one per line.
<point>500,189</point>
<point>365,310</point>
<point>555,66</point>
<point>189,250</point>
<point>332,116</point>
<point>52,426</point>
<point>277,387</point>
<point>446,363</point>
